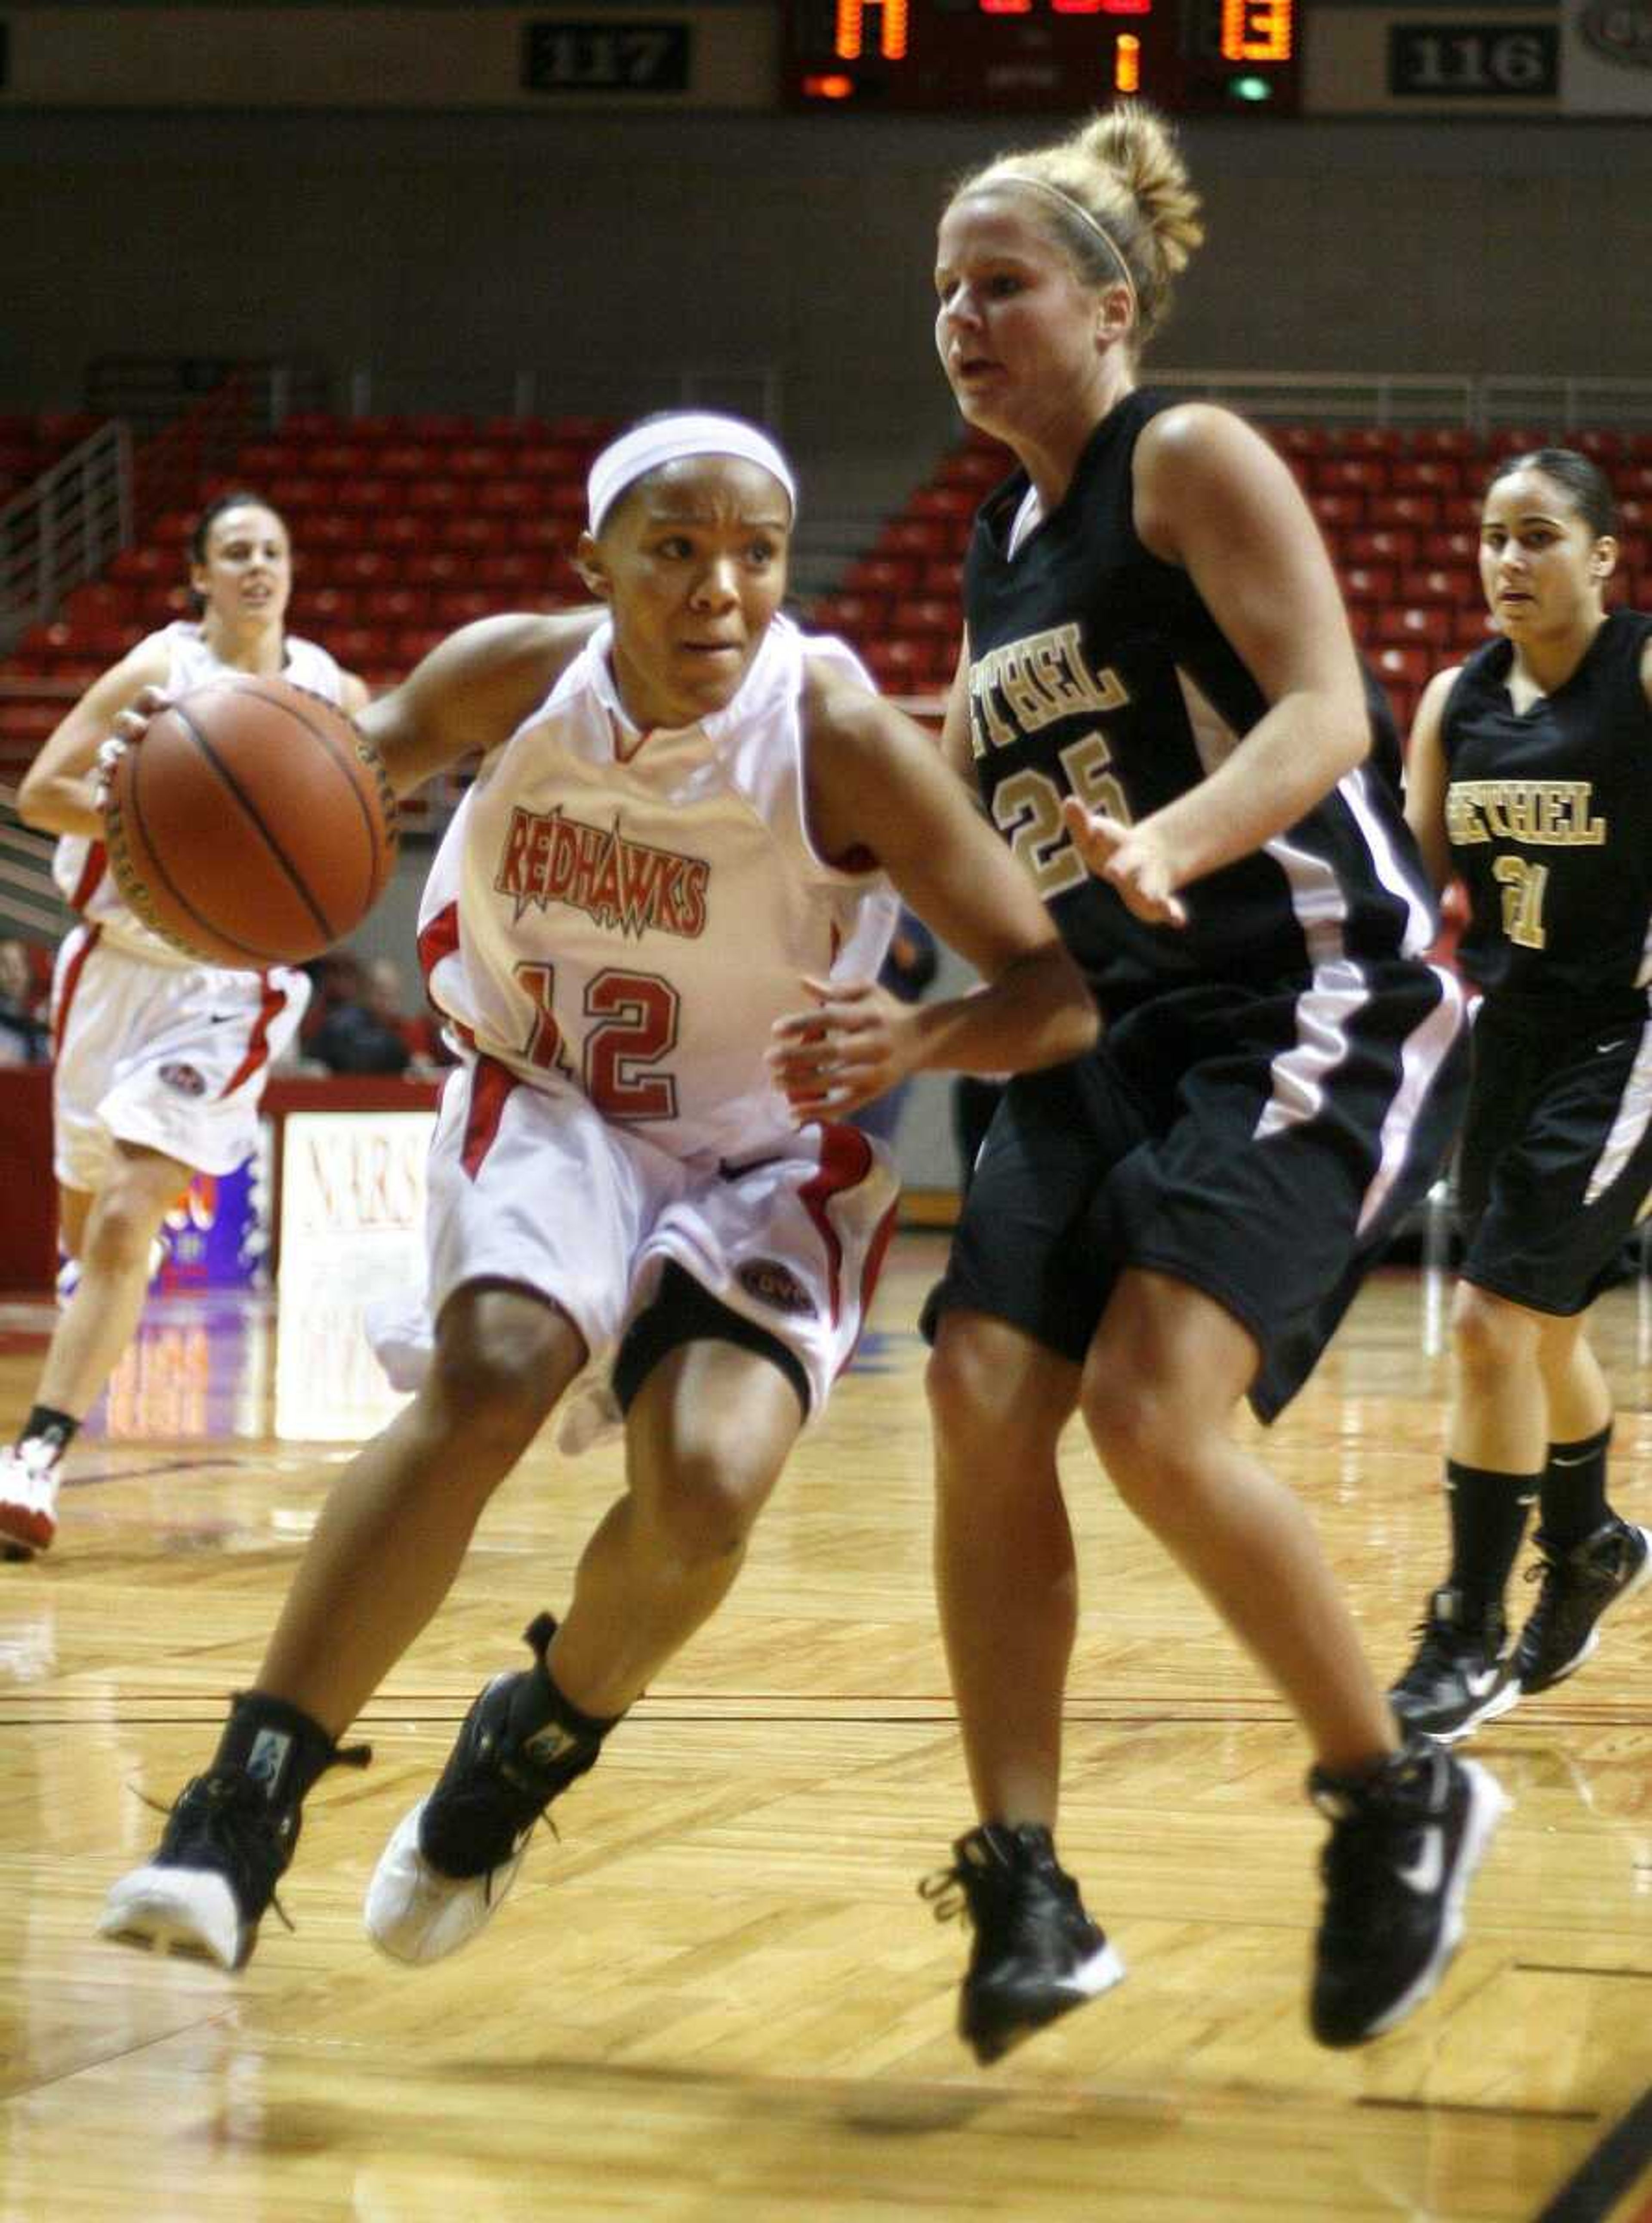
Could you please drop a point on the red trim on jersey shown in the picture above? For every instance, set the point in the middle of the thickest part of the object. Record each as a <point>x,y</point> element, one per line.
<point>492,1087</point>
<point>877,1250</point>
<point>91,873</point>
<point>846,1158</point>
<point>438,939</point>
<point>271,1005</point>
<point>77,965</point>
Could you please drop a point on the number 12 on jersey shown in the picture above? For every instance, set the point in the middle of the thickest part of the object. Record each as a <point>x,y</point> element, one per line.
<point>636,1018</point>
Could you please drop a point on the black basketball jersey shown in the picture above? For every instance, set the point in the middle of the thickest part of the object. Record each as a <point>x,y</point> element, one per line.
<point>1096,671</point>
<point>1549,815</point>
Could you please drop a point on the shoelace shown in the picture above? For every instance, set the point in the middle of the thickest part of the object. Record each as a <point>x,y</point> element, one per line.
<point>239,1818</point>
<point>944,1892</point>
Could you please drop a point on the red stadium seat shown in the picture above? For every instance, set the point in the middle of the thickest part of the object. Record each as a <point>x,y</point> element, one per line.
<point>1415,511</point>
<point>1370,440</point>
<point>1471,625</point>
<point>881,575</point>
<point>1436,475</point>
<point>1448,583</point>
<point>1338,512</point>
<point>915,536</point>
<point>1367,583</point>
<point>1386,546</point>
<point>1411,622</point>
<point>1445,440</point>
<point>1355,474</point>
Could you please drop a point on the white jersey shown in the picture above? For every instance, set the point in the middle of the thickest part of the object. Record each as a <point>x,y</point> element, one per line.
<point>80,867</point>
<point>626,913</point>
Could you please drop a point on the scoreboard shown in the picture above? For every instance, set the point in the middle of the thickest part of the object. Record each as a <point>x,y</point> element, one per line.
<point>960,56</point>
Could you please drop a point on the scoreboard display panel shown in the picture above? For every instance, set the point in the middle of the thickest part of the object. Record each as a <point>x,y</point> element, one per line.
<point>952,57</point>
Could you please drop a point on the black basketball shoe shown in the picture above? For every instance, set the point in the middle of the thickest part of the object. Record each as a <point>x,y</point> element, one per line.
<point>1578,1587</point>
<point>1037,1955</point>
<point>209,1883</point>
<point>453,1857</point>
<point>1404,1845</point>
<point>1458,1677</point>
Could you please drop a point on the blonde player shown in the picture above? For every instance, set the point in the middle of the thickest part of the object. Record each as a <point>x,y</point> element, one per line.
<point>654,928</point>
<point>160,1061</point>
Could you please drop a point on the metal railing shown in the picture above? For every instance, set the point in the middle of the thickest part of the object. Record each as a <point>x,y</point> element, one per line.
<point>30,901</point>
<point>617,391</point>
<point>1399,399</point>
<point>65,527</point>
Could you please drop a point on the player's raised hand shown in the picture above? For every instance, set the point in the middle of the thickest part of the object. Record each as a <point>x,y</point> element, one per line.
<point>853,1043</point>
<point>1130,859</point>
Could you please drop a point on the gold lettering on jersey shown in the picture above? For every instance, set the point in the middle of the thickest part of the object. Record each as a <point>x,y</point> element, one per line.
<point>1552,814</point>
<point>1028,684</point>
<point>557,860</point>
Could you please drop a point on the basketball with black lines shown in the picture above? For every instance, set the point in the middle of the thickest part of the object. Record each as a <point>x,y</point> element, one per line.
<point>252,825</point>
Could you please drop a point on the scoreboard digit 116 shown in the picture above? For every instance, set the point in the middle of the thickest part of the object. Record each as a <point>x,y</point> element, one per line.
<point>961,56</point>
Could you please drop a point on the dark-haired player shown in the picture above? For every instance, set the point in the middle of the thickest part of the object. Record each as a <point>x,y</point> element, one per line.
<point>1529,777</point>
<point>161,1061</point>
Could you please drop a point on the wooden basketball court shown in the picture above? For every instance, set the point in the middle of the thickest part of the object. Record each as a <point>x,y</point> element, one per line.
<point>718,1995</point>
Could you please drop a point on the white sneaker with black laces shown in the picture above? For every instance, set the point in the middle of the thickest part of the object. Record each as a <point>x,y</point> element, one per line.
<point>208,1884</point>
<point>452,1858</point>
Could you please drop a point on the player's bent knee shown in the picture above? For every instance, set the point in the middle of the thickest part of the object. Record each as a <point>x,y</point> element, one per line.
<point>500,1369</point>
<point>1138,1437</point>
<point>1488,1334</point>
<point>118,1235</point>
<point>959,1382</point>
<point>704,1511</point>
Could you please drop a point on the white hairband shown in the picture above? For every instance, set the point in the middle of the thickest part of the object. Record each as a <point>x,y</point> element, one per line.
<point>1076,208</point>
<point>667,440</point>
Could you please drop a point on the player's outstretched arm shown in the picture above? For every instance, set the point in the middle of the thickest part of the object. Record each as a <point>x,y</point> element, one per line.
<point>877,784</point>
<point>59,793</point>
<point>472,692</point>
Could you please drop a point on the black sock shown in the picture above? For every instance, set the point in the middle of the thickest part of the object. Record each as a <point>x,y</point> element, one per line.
<point>280,1747</point>
<point>538,1705</point>
<point>1488,1520</point>
<point>45,1425</point>
<point>1574,1491</point>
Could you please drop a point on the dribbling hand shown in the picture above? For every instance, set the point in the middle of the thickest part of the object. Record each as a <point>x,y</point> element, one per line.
<point>1130,859</point>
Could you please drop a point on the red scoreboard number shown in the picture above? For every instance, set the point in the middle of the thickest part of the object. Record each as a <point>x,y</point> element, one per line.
<point>949,56</point>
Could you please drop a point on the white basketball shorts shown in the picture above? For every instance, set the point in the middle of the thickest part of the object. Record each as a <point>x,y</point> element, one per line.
<point>536,1188</point>
<point>170,1058</point>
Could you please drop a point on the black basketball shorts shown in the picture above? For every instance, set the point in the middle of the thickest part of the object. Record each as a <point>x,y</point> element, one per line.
<point>1261,1144</point>
<point>1555,1169</point>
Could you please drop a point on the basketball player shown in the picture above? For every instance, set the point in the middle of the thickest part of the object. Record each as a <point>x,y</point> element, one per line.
<point>643,1178</point>
<point>1529,775</point>
<point>1165,714</point>
<point>161,1061</point>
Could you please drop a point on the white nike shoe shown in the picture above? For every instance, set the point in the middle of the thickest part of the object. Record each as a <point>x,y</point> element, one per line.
<point>414,1913</point>
<point>175,1910</point>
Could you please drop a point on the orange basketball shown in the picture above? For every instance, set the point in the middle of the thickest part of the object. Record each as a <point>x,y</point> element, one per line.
<point>252,825</point>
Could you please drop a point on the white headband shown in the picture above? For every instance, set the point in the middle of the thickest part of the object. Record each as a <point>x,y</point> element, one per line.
<point>667,440</point>
<point>1075,207</point>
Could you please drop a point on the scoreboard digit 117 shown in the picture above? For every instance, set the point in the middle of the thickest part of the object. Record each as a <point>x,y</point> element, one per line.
<point>998,56</point>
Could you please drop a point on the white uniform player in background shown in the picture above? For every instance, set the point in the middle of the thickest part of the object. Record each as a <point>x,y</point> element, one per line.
<point>160,1061</point>
<point>654,928</point>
